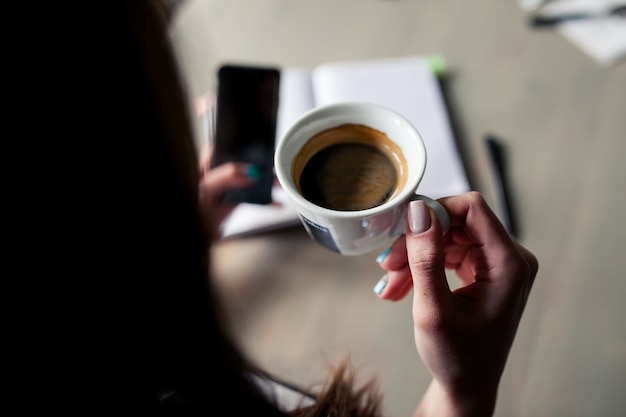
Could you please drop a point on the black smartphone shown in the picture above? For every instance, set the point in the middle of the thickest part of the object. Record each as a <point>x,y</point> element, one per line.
<point>245,126</point>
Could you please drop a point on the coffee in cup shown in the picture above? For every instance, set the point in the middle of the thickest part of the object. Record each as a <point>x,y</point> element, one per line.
<point>349,167</point>
<point>350,170</point>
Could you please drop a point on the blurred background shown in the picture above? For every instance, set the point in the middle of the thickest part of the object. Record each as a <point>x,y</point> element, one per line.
<point>560,115</point>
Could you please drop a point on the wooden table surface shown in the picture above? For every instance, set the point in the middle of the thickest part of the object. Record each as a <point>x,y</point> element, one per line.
<point>561,117</point>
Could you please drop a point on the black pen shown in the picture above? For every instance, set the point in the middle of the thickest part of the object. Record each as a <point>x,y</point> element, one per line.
<point>500,189</point>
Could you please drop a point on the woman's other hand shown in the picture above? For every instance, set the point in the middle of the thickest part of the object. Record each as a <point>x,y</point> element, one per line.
<point>213,182</point>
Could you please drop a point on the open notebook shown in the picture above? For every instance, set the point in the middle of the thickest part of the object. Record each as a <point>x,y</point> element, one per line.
<point>407,85</point>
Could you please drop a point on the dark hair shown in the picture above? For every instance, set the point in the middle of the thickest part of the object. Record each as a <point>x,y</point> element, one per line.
<point>160,328</point>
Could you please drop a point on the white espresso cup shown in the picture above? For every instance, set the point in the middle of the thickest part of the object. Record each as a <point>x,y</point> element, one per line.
<point>344,221</point>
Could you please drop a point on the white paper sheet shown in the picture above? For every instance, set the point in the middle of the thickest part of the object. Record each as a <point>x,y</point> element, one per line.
<point>602,38</point>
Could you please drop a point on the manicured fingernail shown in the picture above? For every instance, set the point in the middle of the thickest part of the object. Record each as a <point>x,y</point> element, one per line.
<point>380,285</point>
<point>253,172</point>
<point>383,255</point>
<point>419,216</point>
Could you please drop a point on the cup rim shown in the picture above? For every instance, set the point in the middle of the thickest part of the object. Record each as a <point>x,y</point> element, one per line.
<point>283,171</point>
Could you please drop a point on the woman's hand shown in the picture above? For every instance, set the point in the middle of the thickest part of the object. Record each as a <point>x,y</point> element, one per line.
<point>213,182</point>
<point>463,336</point>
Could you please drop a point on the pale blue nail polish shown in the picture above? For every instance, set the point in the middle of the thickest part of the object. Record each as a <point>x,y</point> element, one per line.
<point>380,285</point>
<point>383,255</point>
<point>254,172</point>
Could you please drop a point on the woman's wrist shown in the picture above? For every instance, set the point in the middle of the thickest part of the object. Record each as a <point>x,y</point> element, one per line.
<point>440,402</point>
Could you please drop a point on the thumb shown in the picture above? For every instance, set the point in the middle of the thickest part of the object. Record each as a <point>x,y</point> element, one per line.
<point>424,245</point>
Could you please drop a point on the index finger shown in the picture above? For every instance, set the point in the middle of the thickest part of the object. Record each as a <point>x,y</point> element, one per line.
<point>476,226</point>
